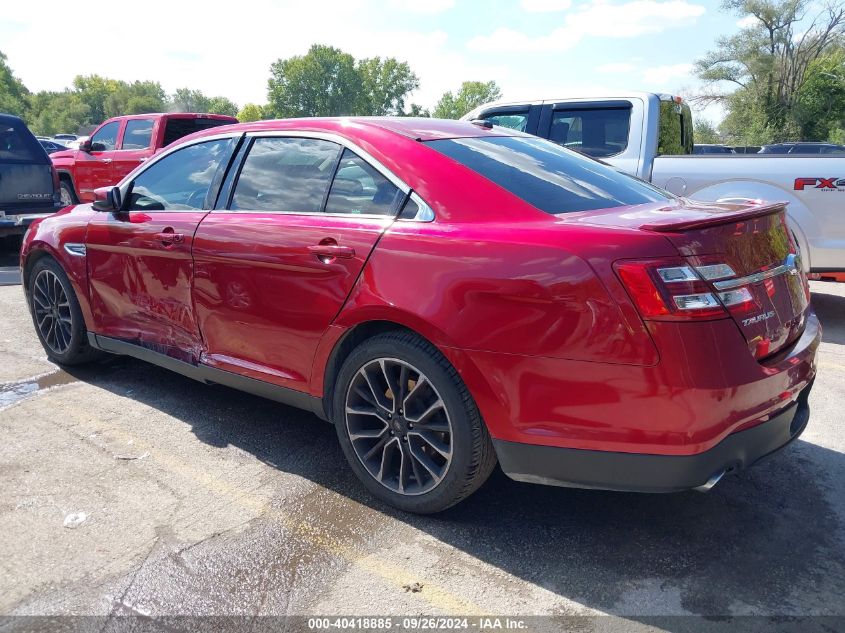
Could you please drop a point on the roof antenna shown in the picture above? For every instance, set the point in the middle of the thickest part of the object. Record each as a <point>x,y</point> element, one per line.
<point>487,125</point>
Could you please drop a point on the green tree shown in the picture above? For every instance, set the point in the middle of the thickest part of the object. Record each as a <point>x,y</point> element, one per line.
<point>94,91</point>
<point>418,111</point>
<point>324,82</point>
<point>471,95</point>
<point>768,63</point>
<point>222,105</point>
<point>820,109</point>
<point>55,112</point>
<point>139,97</point>
<point>384,86</point>
<point>187,100</point>
<point>705,132</point>
<point>13,94</point>
<point>328,82</point>
<point>251,112</point>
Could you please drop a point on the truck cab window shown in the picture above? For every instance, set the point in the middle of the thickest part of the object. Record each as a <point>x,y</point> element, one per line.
<point>105,139</point>
<point>598,132</point>
<point>512,120</point>
<point>138,134</point>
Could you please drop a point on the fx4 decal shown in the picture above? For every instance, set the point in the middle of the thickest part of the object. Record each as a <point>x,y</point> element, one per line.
<point>827,184</point>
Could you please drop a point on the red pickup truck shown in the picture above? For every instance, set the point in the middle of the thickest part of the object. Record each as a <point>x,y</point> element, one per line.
<point>119,145</point>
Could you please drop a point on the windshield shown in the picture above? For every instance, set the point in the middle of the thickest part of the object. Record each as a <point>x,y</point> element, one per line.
<point>547,176</point>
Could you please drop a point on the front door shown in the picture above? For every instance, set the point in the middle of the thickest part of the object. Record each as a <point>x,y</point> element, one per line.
<point>275,266</point>
<point>93,169</point>
<point>140,265</point>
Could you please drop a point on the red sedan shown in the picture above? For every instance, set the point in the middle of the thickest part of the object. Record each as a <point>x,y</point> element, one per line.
<point>448,295</point>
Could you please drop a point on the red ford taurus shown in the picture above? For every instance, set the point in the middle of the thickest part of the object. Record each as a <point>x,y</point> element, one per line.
<point>449,295</point>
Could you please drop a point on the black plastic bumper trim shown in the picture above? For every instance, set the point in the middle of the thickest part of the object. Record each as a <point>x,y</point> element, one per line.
<point>637,472</point>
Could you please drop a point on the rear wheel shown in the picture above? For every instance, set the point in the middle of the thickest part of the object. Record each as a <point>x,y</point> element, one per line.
<point>56,314</point>
<point>67,193</point>
<point>408,425</point>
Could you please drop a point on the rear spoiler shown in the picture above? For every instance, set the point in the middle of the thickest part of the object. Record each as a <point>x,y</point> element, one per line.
<point>715,218</point>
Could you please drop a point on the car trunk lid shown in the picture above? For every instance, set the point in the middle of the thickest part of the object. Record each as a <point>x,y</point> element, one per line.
<point>743,254</point>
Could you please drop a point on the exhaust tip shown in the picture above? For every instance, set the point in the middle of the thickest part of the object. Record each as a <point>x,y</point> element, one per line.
<point>705,487</point>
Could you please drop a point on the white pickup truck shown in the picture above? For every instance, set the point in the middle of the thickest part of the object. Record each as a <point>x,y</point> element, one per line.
<point>651,136</point>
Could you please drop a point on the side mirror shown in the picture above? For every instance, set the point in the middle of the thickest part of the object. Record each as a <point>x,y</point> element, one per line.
<point>85,145</point>
<point>107,199</point>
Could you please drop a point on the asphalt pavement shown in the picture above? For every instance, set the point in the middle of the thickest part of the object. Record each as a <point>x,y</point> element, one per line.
<point>129,490</point>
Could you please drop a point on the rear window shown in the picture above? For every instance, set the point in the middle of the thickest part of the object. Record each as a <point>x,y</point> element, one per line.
<point>177,128</point>
<point>18,145</point>
<point>597,132</point>
<point>548,176</point>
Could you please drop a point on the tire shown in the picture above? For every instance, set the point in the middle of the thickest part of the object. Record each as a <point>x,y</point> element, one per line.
<point>53,302</point>
<point>422,463</point>
<point>68,194</point>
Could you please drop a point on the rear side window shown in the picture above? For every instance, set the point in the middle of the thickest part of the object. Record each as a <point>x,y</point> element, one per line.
<point>18,145</point>
<point>598,132</point>
<point>175,129</point>
<point>286,174</point>
<point>358,188</point>
<point>547,176</point>
<point>138,134</point>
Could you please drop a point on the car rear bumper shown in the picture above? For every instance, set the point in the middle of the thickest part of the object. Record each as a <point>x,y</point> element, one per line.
<point>17,223</point>
<point>635,472</point>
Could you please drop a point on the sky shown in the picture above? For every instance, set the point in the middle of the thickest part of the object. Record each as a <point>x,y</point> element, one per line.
<point>531,48</point>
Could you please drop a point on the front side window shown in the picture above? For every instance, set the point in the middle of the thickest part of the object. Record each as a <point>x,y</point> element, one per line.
<point>547,176</point>
<point>180,181</point>
<point>512,120</point>
<point>105,139</point>
<point>285,174</point>
<point>359,188</point>
<point>137,134</point>
<point>599,132</point>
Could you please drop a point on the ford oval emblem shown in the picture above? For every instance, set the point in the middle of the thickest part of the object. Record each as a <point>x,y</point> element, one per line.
<point>791,264</point>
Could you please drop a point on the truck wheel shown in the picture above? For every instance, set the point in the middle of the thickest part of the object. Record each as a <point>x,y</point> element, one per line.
<point>68,194</point>
<point>56,314</point>
<point>408,425</point>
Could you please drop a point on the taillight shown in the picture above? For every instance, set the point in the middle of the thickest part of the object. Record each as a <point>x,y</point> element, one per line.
<point>673,290</point>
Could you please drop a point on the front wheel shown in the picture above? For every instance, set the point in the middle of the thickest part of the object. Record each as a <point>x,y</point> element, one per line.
<point>408,425</point>
<point>68,195</point>
<point>57,316</point>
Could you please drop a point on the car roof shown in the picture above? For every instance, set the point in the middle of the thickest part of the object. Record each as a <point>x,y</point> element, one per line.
<point>419,129</point>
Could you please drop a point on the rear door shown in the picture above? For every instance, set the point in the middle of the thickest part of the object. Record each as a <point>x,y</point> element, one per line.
<point>275,263</point>
<point>139,259</point>
<point>94,169</point>
<point>26,174</point>
<point>134,148</point>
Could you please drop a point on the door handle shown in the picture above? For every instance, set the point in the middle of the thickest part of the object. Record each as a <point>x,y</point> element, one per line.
<point>107,160</point>
<point>169,237</point>
<point>331,251</point>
